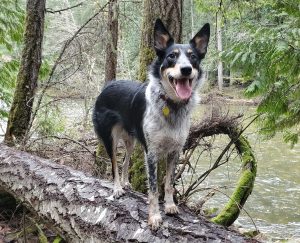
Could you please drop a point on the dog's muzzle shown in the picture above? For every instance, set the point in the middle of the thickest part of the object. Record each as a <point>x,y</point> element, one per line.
<point>182,86</point>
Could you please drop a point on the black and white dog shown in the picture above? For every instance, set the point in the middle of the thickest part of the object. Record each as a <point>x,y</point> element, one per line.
<point>156,113</point>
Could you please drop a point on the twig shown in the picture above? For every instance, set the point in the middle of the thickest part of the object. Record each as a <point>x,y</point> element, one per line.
<point>186,160</point>
<point>49,10</point>
<point>69,139</point>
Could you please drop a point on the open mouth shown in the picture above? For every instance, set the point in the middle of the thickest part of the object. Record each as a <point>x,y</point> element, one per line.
<point>183,87</point>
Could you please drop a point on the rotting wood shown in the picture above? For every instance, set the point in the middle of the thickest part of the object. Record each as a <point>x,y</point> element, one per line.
<point>82,209</point>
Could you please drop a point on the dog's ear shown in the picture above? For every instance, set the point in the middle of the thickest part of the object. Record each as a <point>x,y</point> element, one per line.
<point>200,40</point>
<point>162,38</point>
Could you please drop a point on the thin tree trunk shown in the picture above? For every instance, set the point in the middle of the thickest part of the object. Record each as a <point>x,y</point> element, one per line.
<point>170,12</point>
<point>112,43</point>
<point>219,48</point>
<point>21,109</point>
<point>82,209</point>
<point>192,17</point>
<point>111,60</point>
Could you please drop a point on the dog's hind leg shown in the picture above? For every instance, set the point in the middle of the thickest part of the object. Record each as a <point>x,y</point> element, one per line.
<point>116,133</point>
<point>170,207</point>
<point>154,219</point>
<point>129,144</point>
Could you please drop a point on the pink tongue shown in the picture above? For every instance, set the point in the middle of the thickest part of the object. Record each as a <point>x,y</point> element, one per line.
<point>183,89</point>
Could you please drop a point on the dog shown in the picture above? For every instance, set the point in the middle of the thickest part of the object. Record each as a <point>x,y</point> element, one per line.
<point>156,113</point>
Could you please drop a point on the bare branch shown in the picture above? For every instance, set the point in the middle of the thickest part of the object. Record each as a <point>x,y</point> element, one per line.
<point>49,10</point>
<point>47,85</point>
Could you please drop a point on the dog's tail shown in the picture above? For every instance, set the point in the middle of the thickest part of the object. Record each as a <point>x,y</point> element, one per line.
<point>104,120</point>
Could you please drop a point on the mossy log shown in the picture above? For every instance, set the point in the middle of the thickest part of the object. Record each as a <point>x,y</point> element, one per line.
<point>228,125</point>
<point>244,186</point>
<point>82,208</point>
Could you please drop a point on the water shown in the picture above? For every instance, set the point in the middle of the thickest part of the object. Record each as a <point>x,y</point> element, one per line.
<point>274,204</point>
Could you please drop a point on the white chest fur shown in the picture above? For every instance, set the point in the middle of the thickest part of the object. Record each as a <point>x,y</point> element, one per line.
<point>164,133</point>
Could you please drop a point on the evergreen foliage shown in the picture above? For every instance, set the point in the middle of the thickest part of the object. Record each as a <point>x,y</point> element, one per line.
<point>11,23</point>
<point>12,17</point>
<point>261,44</point>
<point>265,48</point>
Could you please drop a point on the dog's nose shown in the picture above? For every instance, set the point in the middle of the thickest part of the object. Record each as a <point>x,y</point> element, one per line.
<point>186,71</point>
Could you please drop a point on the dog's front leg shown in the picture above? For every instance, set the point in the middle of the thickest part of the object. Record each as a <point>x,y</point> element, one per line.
<point>170,207</point>
<point>154,219</point>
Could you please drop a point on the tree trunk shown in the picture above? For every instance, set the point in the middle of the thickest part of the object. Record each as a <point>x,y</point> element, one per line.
<point>82,208</point>
<point>112,42</point>
<point>192,17</point>
<point>111,60</point>
<point>170,12</point>
<point>21,109</point>
<point>219,48</point>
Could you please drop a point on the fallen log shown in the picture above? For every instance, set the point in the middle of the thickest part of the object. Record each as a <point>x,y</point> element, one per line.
<point>82,208</point>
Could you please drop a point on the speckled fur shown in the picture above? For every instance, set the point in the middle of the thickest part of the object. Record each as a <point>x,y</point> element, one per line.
<point>127,109</point>
<point>165,134</point>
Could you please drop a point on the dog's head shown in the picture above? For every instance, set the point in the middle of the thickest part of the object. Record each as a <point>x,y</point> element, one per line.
<point>178,65</point>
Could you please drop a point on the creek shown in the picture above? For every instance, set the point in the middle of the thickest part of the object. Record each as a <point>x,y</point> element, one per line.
<point>274,204</point>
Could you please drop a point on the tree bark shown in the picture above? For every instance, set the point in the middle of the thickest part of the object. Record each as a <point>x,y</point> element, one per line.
<point>112,43</point>
<point>21,109</point>
<point>82,208</point>
<point>219,48</point>
<point>170,12</point>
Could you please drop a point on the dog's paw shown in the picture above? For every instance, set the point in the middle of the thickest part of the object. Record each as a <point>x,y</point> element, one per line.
<point>171,209</point>
<point>154,221</point>
<point>118,192</point>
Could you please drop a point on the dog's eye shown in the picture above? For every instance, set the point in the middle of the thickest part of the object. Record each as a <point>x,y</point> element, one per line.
<point>172,56</point>
<point>193,56</point>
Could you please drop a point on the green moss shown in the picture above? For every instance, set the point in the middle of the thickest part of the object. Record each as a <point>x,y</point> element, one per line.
<point>100,164</point>
<point>146,58</point>
<point>244,187</point>
<point>138,176</point>
<point>137,172</point>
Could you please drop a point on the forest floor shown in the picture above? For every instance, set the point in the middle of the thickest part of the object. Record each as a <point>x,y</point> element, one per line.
<point>227,98</point>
